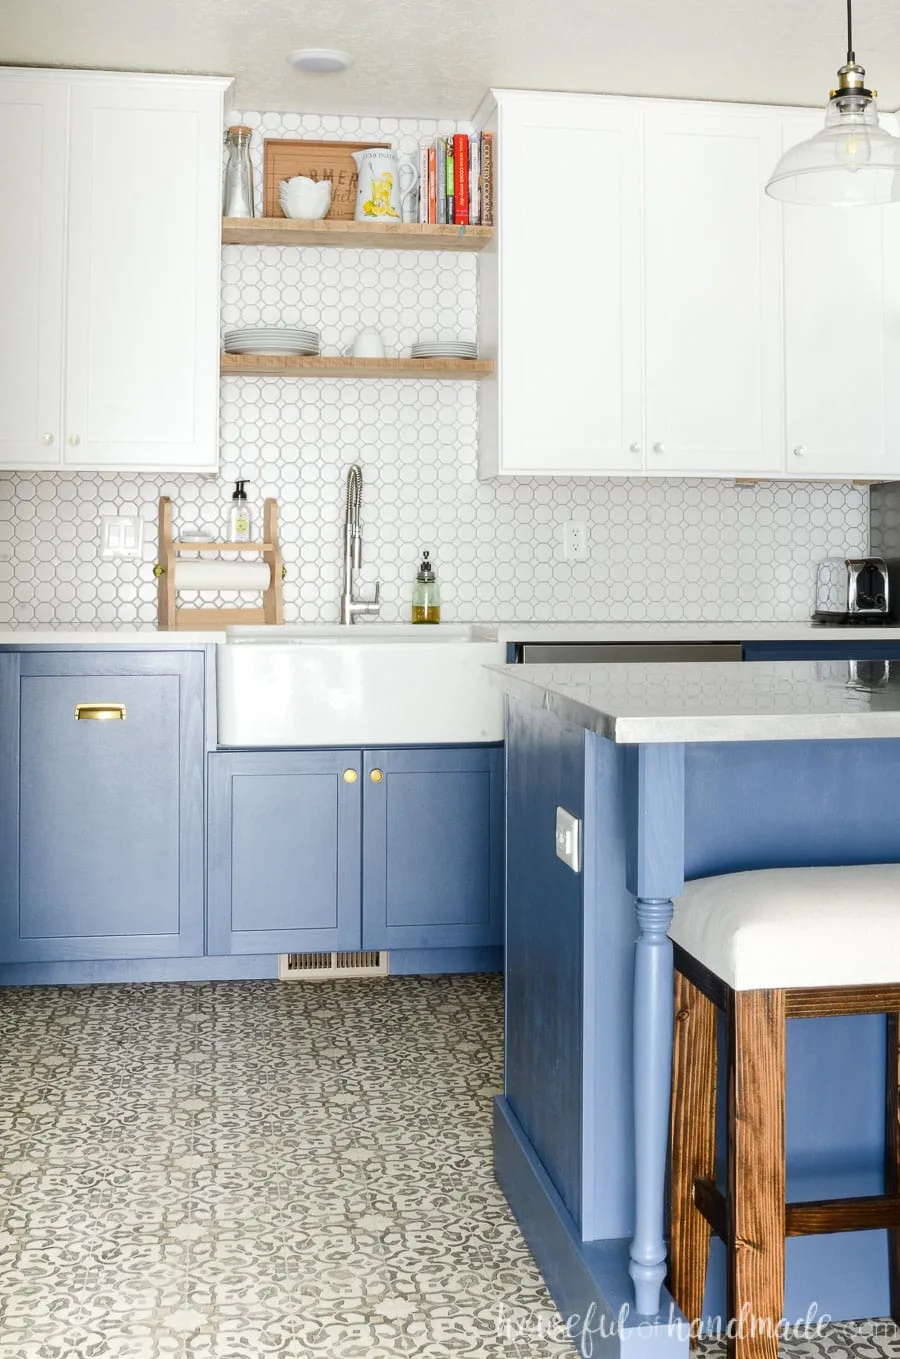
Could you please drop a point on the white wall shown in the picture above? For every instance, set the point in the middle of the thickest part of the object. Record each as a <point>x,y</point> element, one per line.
<point>658,549</point>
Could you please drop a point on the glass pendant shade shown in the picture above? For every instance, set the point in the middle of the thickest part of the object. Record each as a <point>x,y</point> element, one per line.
<point>853,162</point>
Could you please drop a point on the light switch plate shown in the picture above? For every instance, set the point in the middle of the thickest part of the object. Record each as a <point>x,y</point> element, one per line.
<point>121,535</point>
<point>568,839</point>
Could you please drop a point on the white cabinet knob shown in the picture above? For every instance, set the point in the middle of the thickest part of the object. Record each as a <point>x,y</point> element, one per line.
<point>74,440</point>
<point>635,448</point>
<point>800,451</point>
<point>47,439</point>
<point>659,448</point>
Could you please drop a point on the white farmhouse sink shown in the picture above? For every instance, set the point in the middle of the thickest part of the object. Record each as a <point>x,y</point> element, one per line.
<point>369,684</point>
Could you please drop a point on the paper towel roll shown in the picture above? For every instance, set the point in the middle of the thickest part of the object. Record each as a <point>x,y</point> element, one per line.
<point>222,576</point>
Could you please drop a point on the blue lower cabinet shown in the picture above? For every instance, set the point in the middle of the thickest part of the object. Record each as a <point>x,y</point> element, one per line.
<point>101,821</point>
<point>433,848</point>
<point>284,851</point>
<point>335,849</point>
<point>824,651</point>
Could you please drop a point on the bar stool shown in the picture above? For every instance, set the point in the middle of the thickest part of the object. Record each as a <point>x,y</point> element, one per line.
<point>763,947</point>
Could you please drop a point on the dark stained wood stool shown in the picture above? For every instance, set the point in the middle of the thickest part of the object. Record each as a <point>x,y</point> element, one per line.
<point>764,947</point>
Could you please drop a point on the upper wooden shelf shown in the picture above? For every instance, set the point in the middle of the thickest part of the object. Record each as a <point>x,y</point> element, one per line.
<point>328,365</point>
<point>367,235</point>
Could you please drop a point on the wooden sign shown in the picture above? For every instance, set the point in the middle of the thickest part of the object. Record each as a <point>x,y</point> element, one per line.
<point>317,160</point>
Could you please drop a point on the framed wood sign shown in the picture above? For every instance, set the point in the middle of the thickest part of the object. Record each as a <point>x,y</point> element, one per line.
<point>317,160</point>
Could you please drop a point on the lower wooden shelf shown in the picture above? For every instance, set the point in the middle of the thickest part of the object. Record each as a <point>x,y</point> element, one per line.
<point>318,365</point>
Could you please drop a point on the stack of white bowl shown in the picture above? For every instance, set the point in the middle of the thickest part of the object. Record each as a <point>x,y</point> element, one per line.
<point>272,340</point>
<point>444,349</point>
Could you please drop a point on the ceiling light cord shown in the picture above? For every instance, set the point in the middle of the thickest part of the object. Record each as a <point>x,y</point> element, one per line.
<point>851,55</point>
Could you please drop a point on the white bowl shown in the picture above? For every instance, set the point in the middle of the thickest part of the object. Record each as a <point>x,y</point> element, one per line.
<point>303,198</point>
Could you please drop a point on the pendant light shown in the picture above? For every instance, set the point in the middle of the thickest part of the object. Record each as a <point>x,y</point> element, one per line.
<point>853,162</point>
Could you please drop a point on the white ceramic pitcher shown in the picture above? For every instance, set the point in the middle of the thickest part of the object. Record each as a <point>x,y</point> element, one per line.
<point>381,188</point>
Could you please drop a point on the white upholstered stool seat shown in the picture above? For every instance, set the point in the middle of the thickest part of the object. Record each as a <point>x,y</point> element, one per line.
<point>781,928</point>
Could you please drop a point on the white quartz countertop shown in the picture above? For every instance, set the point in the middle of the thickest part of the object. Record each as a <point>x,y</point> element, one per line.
<point>736,631</point>
<point>714,700</point>
<point>124,637</point>
<point>800,630</point>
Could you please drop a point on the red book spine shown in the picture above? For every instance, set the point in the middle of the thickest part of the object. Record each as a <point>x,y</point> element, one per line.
<point>432,185</point>
<point>487,179</point>
<point>461,179</point>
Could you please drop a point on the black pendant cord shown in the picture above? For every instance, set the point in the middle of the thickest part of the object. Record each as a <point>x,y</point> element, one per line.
<point>851,55</point>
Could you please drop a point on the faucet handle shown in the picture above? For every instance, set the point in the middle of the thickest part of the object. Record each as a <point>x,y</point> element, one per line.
<point>377,599</point>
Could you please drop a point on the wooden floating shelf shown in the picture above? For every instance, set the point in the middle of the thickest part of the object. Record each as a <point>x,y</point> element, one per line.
<point>361,235</point>
<point>325,366</point>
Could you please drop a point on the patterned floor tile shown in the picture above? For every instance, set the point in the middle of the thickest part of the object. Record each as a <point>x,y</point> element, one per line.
<point>253,1169</point>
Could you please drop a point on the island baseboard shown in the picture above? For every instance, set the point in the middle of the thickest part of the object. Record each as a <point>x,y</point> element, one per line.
<point>589,1280</point>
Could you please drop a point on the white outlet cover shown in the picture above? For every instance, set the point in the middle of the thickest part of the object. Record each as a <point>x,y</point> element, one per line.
<point>568,839</point>
<point>121,535</point>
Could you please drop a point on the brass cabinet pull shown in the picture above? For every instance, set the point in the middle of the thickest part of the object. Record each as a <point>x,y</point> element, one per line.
<point>100,712</point>
<point>350,776</point>
<point>376,775</point>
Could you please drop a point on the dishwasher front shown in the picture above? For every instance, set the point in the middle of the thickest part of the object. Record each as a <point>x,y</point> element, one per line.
<point>611,653</point>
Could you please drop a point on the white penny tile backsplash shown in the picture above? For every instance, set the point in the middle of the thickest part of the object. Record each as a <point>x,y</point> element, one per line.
<point>656,549</point>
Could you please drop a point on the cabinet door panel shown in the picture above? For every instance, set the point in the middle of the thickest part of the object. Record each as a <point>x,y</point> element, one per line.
<point>713,296</point>
<point>284,852</point>
<point>570,288</point>
<point>842,335</point>
<point>32,253</point>
<point>142,327</point>
<point>105,856</point>
<point>432,857</point>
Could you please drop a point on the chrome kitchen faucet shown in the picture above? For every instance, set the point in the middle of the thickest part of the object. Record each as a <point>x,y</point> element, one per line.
<point>351,607</point>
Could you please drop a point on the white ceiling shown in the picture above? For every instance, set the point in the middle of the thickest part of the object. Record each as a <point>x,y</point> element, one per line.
<point>433,58</point>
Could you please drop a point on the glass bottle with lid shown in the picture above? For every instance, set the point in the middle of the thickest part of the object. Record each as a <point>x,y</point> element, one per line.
<point>426,597</point>
<point>237,193</point>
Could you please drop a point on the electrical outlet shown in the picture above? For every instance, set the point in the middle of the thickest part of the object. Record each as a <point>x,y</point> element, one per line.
<point>568,839</point>
<point>575,540</point>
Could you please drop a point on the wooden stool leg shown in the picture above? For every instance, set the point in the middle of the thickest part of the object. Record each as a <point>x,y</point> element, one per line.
<point>756,1174</point>
<point>692,1144</point>
<point>892,1152</point>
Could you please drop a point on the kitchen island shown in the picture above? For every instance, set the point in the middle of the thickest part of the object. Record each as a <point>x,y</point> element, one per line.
<point>673,772</point>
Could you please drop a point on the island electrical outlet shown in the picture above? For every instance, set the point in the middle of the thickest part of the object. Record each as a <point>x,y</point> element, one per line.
<point>568,839</point>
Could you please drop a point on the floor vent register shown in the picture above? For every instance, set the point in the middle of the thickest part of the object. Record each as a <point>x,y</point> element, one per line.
<point>332,966</point>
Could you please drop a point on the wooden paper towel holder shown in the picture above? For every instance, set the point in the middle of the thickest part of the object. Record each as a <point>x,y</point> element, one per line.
<point>171,617</point>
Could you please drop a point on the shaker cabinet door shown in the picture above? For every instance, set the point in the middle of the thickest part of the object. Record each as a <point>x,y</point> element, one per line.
<point>433,848</point>
<point>841,335</point>
<point>284,851</point>
<point>143,276</point>
<point>712,242</point>
<point>32,253</point>
<point>101,821</point>
<point>568,328</point>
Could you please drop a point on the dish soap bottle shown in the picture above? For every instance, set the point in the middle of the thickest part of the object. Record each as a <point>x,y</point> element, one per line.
<point>239,515</point>
<point>426,598</point>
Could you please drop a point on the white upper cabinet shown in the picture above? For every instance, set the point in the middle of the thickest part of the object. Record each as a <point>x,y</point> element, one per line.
<point>114,285</point>
<point>712,305</point>
<point>32,252</point>
<point>561,297</point>
<point>653,313</point>
<point>841,335</point>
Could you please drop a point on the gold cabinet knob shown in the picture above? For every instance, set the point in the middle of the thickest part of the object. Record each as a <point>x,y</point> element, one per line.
<point>74,440</point>
<point>350,776</point>
<point>376,775</point>
<point>47,439</point>
<point>159,570</point>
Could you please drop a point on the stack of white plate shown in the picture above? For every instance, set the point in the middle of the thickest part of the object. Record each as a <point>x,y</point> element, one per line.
<point>272,340</point>
<point>444,349</point>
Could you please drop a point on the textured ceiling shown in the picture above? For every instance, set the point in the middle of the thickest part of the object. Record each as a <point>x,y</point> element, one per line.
<point>433,58</point>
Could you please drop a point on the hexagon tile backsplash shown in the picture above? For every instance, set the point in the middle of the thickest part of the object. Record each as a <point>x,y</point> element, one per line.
<point>656,549</point>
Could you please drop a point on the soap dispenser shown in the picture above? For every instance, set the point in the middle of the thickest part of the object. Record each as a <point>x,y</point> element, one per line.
<point>239,515</point>
<point>426,597</point>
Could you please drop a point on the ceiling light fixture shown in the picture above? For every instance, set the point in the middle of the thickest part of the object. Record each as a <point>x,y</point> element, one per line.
<point>321,60</point>
<point>853,162</point>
